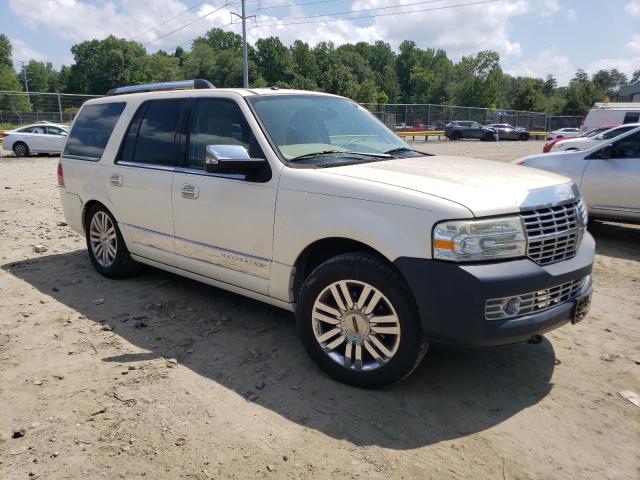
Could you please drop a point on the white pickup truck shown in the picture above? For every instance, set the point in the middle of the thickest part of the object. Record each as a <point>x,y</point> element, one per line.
<point>306,201</point>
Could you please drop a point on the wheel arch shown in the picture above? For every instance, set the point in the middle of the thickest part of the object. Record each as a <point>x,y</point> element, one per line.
<point>322,250</point>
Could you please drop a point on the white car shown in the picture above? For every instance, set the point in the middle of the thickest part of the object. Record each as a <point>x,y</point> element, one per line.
<point>563,133</point>
<point>37,138</point>
<point>608,175</point>
<point>306,201</point>
<point>584,143</point>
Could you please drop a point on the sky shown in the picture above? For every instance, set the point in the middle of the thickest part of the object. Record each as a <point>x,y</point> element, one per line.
<point>533,37</point>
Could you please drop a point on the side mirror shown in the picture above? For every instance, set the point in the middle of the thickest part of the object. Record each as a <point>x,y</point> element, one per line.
<point>600,136</point>
<point>64,134</point>
<point>230,159</point>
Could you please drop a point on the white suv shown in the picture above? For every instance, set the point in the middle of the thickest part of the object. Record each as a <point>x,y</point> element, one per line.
<point>306,201</point>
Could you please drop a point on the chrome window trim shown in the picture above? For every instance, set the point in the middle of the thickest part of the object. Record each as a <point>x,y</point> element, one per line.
<point>80,157</point>
<point>148,166</point>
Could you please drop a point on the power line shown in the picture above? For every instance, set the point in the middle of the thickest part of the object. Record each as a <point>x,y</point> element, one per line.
<point>286,22</point>
<point>168,20</point>
<point>186,25</point>
<point>349,12</point>
<point>293,4</point>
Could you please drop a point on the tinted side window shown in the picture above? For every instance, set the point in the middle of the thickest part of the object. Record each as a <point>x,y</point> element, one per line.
<point>616,132</point>
<point>631,117</point>
<point>54,130</point>
<point>155,142</point>
<point>218,122</point>
<point>92,129</point>
<point>628,147</point>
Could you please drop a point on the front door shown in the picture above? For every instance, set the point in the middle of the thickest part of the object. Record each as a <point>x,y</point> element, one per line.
<point>611,186</point>
<point>139,183</point>
<point>223,223</point>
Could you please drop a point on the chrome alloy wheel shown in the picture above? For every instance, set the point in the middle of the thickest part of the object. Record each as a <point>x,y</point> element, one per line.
<point>104,242</point>
<point>356,325</point>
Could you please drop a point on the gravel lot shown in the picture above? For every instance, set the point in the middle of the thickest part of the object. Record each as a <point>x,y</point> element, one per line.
<point>162,377</point>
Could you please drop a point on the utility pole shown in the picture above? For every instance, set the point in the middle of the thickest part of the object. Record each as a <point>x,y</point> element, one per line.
<point>245,59</point>
<point>26,82</point>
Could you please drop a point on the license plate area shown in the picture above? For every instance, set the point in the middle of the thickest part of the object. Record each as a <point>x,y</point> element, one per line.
<point>581,308</point>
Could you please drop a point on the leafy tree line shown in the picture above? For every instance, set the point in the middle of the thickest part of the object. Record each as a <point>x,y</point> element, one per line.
<point>364,72</point>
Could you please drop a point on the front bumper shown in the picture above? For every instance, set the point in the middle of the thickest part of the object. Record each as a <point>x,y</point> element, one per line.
<point>451,297</point>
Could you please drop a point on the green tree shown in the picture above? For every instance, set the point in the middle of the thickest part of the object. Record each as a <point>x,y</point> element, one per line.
<point>103,64</point>
<point>609,81</point>
<point>273,60</point>
<point>5,51</point>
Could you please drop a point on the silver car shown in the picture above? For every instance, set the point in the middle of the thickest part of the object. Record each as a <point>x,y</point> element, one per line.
<point>608,175</point>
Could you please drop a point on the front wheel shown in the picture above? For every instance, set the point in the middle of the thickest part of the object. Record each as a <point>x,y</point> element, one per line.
<point>358,321</point>
<point>106,247</point>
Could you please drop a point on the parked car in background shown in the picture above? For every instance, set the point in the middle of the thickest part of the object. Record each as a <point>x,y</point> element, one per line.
<point>608,175</point>
<point>549,145</point>
<point>509,132</point>
<point>468,129</point>
<point>564,133</point>
<point>37,138</point>
<point>611,114</point>
<point>586,142</point>
<point>306,201</point>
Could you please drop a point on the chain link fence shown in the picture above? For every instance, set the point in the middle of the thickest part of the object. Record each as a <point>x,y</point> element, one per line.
<point>21,108</point>
<point>434,117</point>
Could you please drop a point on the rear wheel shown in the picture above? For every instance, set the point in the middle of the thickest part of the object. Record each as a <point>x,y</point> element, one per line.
<point>106,247</point>
<point>21,149</point>
<point>524,137</point>
<point>456,136</point>
<point>358,321</point>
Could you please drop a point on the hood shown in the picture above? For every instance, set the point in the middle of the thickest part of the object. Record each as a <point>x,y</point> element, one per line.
<point>485,187</point>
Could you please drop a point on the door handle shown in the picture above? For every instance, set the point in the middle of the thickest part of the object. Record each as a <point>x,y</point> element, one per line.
<point>190,191</point>
<point>115,179</point>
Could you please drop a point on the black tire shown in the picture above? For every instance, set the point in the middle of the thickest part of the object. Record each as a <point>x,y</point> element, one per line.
<point>363,267</point>
<point>21,149</point>
<point>489,137</point>
<point>455,136</point>
<point>123,265</point>
<point>524,137</point>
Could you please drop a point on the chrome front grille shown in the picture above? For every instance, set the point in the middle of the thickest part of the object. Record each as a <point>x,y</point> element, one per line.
<point>533,302</point>
<point>554,233</point>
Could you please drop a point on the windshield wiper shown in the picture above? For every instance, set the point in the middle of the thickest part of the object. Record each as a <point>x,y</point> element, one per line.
<point>344,152</point>
<point>315,154</point>
<point>401,149</point>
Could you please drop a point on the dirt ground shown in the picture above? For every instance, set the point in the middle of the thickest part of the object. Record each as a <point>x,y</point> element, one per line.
<point>162,377</point>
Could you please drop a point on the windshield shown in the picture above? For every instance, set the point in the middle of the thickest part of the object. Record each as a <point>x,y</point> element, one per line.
<point>318,128</point>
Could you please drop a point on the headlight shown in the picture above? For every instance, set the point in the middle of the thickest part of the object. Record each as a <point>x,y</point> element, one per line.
<point>477,240</point>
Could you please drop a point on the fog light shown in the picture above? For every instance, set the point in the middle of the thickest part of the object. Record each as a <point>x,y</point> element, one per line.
<point>512,307</point>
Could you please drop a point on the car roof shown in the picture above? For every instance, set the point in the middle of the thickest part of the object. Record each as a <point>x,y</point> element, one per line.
<point>204,92</point>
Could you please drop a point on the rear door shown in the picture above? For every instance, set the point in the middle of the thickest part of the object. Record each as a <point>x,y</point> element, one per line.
<point>611,186</point>
<point>223,222</point>
<point>54,139</point>
<point>140,181</point>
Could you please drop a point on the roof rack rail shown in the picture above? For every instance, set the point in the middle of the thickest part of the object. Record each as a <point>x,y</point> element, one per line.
<point>154,87</point>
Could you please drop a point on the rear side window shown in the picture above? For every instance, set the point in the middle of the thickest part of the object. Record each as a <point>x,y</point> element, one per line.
<point>631,117</point>
<point>616,132</point>
<point>91,130</point>
<point>151,138</point>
